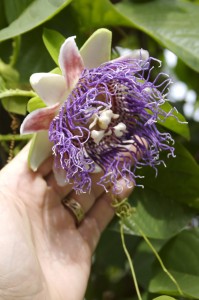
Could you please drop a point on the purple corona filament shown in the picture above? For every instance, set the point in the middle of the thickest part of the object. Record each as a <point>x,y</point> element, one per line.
<point>109,122</point>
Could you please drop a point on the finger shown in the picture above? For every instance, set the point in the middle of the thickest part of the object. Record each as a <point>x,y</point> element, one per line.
<point>46,167</point>
<point>100,215</point>
<point>67,189</point>
<point>87,200</point>
<point>57,180</point>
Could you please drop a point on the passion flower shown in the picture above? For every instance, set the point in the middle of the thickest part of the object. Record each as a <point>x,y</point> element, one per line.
<point>107,119</point>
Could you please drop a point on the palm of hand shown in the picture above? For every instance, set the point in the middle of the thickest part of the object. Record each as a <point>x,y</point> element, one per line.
<point>42,253</point>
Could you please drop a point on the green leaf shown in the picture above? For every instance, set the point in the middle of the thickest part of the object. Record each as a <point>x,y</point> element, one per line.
<point>183,247</point>
<point>161,284</point>
<point>53,41</point>
<point>170,22</point>
<point>177,123</point>
<point>15,104</point>
<point>34,15</point>
<point>181,257</point>
<point>157,215</point>
<point>178,181</point>
<point>35,103</point>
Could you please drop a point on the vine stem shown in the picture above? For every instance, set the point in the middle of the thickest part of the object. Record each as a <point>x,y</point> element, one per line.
<point>130,261</point>
<point>17,137</point>
<point>16,47</point>
<point>161,262</point>
<point>17,92</point>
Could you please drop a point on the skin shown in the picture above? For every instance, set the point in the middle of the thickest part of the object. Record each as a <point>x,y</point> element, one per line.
<point>43,253</point>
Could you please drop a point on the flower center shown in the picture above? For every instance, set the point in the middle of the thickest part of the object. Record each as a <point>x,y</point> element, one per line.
<point>103,125</point>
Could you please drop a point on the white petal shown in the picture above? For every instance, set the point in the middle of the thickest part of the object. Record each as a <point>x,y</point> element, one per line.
<point>97,48</point>
<point>60,176</point>
<point>51,88</point>
<point>40,149</point>
<point>39,119</point>
<point>140,54</point>
<point>70,62</point>
<point>134,54</point>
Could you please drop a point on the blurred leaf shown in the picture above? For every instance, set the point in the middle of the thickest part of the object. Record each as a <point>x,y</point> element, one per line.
<point>105,249</point>
<point>3,22</point>
<point>13,9</point>
<point>181,257</point>
<point>175,123</point>
<point>10,75</point>
<point>15,104</point>
<point>164,297</point>
<point>187,75</point>
<point>53,41</point>
<point>34,15</point>
<point>143,261</point>
<point>33,56</point>
<point>173,23</point>
<point>35,103</point>
<point>98,13</point>
<point>109,270</point>
<point>56,71</point>
<point>178,181</point>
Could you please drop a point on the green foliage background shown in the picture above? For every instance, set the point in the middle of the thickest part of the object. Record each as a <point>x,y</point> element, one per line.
<point>167,208</point>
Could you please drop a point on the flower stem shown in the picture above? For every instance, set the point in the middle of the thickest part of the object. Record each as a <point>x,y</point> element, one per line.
<point>130,261</point>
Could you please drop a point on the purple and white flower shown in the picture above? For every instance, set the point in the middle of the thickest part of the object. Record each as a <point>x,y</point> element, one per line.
<point>101,116</point>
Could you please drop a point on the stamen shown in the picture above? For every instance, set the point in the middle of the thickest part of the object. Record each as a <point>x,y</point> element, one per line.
<point>97,135</point>
<point>119,129</point>
<point>105,118</point>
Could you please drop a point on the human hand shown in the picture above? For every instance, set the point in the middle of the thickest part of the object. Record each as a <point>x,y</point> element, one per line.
<point>43,254</point>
